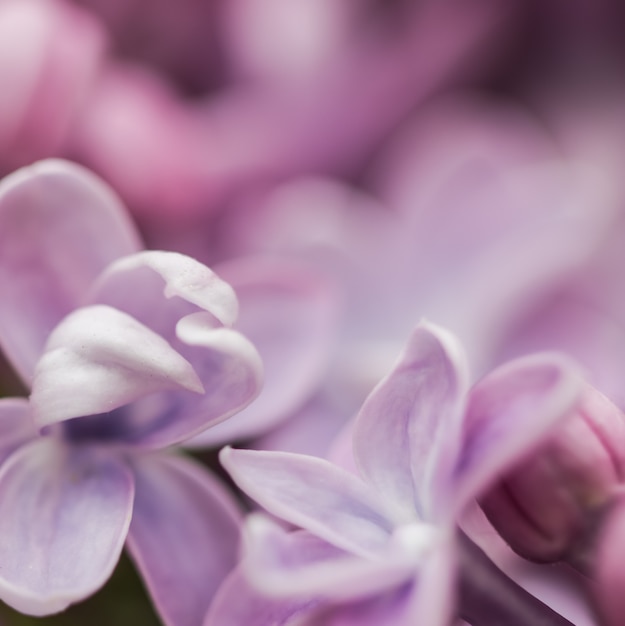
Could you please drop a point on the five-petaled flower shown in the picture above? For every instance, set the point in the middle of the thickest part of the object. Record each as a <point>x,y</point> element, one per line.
<point>127,352</point>
<point>425,445</point>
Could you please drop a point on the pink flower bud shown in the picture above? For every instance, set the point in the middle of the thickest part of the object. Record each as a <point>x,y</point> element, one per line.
<point>548,505</point>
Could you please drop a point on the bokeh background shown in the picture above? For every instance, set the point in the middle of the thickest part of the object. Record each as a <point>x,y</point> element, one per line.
<point>460,159</point>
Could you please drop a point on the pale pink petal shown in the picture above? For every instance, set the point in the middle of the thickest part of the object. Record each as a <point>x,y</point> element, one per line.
<point>427,597</point>
<point>16,425</point>
<point>298,564</point>
<point>392,607</point>
<point>237,602</point>
<point>408,431</point>
<point>184,535</point>
<point>289,315</point>
<point>99,359</point>
<point>159,288</point>
<point>509,413</point>
<point>433,598</point>
<point>64,515</point>
<point>230,370</point>
<point>341,451</point>
<point>226,376</point>
<point>60,226</point>
<point>315,495</point>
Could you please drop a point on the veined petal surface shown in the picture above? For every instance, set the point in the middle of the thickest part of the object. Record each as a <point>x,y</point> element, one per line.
<point>64,516</point>
<point>184,535</point>
<point>408,427</point>
<point>315,495</point>
<point>60,226</point>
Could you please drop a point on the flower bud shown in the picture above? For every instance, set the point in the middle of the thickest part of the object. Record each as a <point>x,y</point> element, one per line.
<point>548,506</point>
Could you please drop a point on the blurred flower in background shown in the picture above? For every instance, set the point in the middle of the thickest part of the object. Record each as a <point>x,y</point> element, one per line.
<point>349,167</point>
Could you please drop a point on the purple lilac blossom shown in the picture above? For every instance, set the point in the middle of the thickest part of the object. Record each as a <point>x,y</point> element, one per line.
<point>425,445</point>
<point>127,352</point>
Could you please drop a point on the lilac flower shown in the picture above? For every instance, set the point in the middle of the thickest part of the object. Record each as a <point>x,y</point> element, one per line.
<point>425,446</point>
<point>126,352</point>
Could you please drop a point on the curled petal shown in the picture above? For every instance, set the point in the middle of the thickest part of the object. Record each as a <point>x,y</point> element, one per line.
<point>288,313</point>
<point>60,226</point>
<point>184,535</point>
<point>98,359</point>
<point>510,412</point>
<point>407,432</point>
<point>159,288</point>
<point>186,303</point>
<point>227,374</point>
<point>230,370</point>
<point>315,495</point>
<point>16,425</point>
<point>64,515</point>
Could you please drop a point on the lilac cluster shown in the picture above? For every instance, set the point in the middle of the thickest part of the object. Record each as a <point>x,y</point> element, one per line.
<point>395,397</point>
